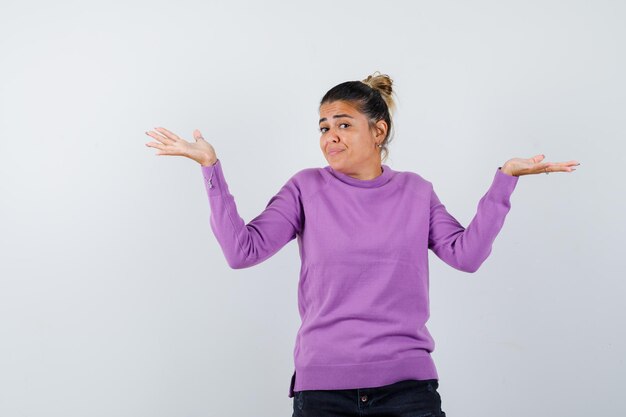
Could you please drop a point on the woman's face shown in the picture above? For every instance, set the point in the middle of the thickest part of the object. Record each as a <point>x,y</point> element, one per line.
<point>347,141</point>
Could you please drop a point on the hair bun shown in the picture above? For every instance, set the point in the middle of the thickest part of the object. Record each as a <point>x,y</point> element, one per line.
<point>384,85</point>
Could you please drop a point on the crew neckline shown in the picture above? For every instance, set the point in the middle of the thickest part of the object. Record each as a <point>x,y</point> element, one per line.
<point>382,179</point>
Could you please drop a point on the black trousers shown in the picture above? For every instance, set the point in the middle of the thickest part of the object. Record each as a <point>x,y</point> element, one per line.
<point>408,398</point>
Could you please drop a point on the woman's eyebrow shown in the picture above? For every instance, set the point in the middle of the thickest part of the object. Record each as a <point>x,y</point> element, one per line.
<point>323,119</point>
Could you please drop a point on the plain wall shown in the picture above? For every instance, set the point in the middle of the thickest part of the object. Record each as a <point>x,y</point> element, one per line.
<point>115,297</point>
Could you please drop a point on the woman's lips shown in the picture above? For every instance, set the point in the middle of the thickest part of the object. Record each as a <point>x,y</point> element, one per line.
<point>335,152</point>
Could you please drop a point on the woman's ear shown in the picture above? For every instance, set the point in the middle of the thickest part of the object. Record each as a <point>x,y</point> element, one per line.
<point>381,128</point>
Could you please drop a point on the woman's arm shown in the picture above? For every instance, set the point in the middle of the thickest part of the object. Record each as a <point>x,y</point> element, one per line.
<point>463,248</point>
<point>245,245</point>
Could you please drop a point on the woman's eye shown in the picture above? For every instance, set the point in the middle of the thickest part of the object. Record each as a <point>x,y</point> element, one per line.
<point>323,129</point>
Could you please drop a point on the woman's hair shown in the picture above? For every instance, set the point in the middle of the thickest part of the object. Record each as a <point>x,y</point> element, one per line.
<point>372,97</point>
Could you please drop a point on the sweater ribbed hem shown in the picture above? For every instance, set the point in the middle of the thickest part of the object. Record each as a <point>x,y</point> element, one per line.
<point>364,375</point>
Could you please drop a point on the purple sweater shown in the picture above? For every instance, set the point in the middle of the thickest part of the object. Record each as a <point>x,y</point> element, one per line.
<point>363,290</point>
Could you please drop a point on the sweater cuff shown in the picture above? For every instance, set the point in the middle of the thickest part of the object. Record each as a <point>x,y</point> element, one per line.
<point>214,179</point>
<point>504,182</point>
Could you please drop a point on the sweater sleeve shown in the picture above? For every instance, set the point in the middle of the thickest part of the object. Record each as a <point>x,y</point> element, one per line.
<point>463,248</point>
<point>245,245</point>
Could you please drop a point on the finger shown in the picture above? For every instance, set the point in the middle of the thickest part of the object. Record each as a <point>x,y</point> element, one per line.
<point>159,137</point>
<point>155,145</point>
<point>537,158</point>
<point>568,163</point>
<point>167,133</point>
<point>572,163</point>
<point>567,166</point>
<point>556,167</point>
<point>197,135</point>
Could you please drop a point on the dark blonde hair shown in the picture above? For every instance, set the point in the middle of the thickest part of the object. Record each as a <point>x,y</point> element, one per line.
<point>372,97</point>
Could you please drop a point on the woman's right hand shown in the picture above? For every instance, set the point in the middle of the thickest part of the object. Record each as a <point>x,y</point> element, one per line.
<point>171,144</point>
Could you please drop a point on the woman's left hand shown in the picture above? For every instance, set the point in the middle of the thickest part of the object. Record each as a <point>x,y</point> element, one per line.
<point>521,166</point>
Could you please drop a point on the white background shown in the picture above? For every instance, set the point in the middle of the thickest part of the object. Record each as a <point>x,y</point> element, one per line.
<point>115,298</point>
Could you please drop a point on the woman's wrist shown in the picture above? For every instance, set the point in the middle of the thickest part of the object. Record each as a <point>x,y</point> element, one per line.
<point>209,162</point>
<point>504,168</point>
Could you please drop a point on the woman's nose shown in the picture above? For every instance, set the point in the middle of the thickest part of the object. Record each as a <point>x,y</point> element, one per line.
<point>333,136</point>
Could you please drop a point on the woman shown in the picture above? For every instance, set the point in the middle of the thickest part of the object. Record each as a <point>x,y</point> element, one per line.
<point>364,231</point>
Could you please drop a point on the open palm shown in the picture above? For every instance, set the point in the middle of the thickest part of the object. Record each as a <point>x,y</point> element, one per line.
<point>534,165</point>
<point>169,143</point>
